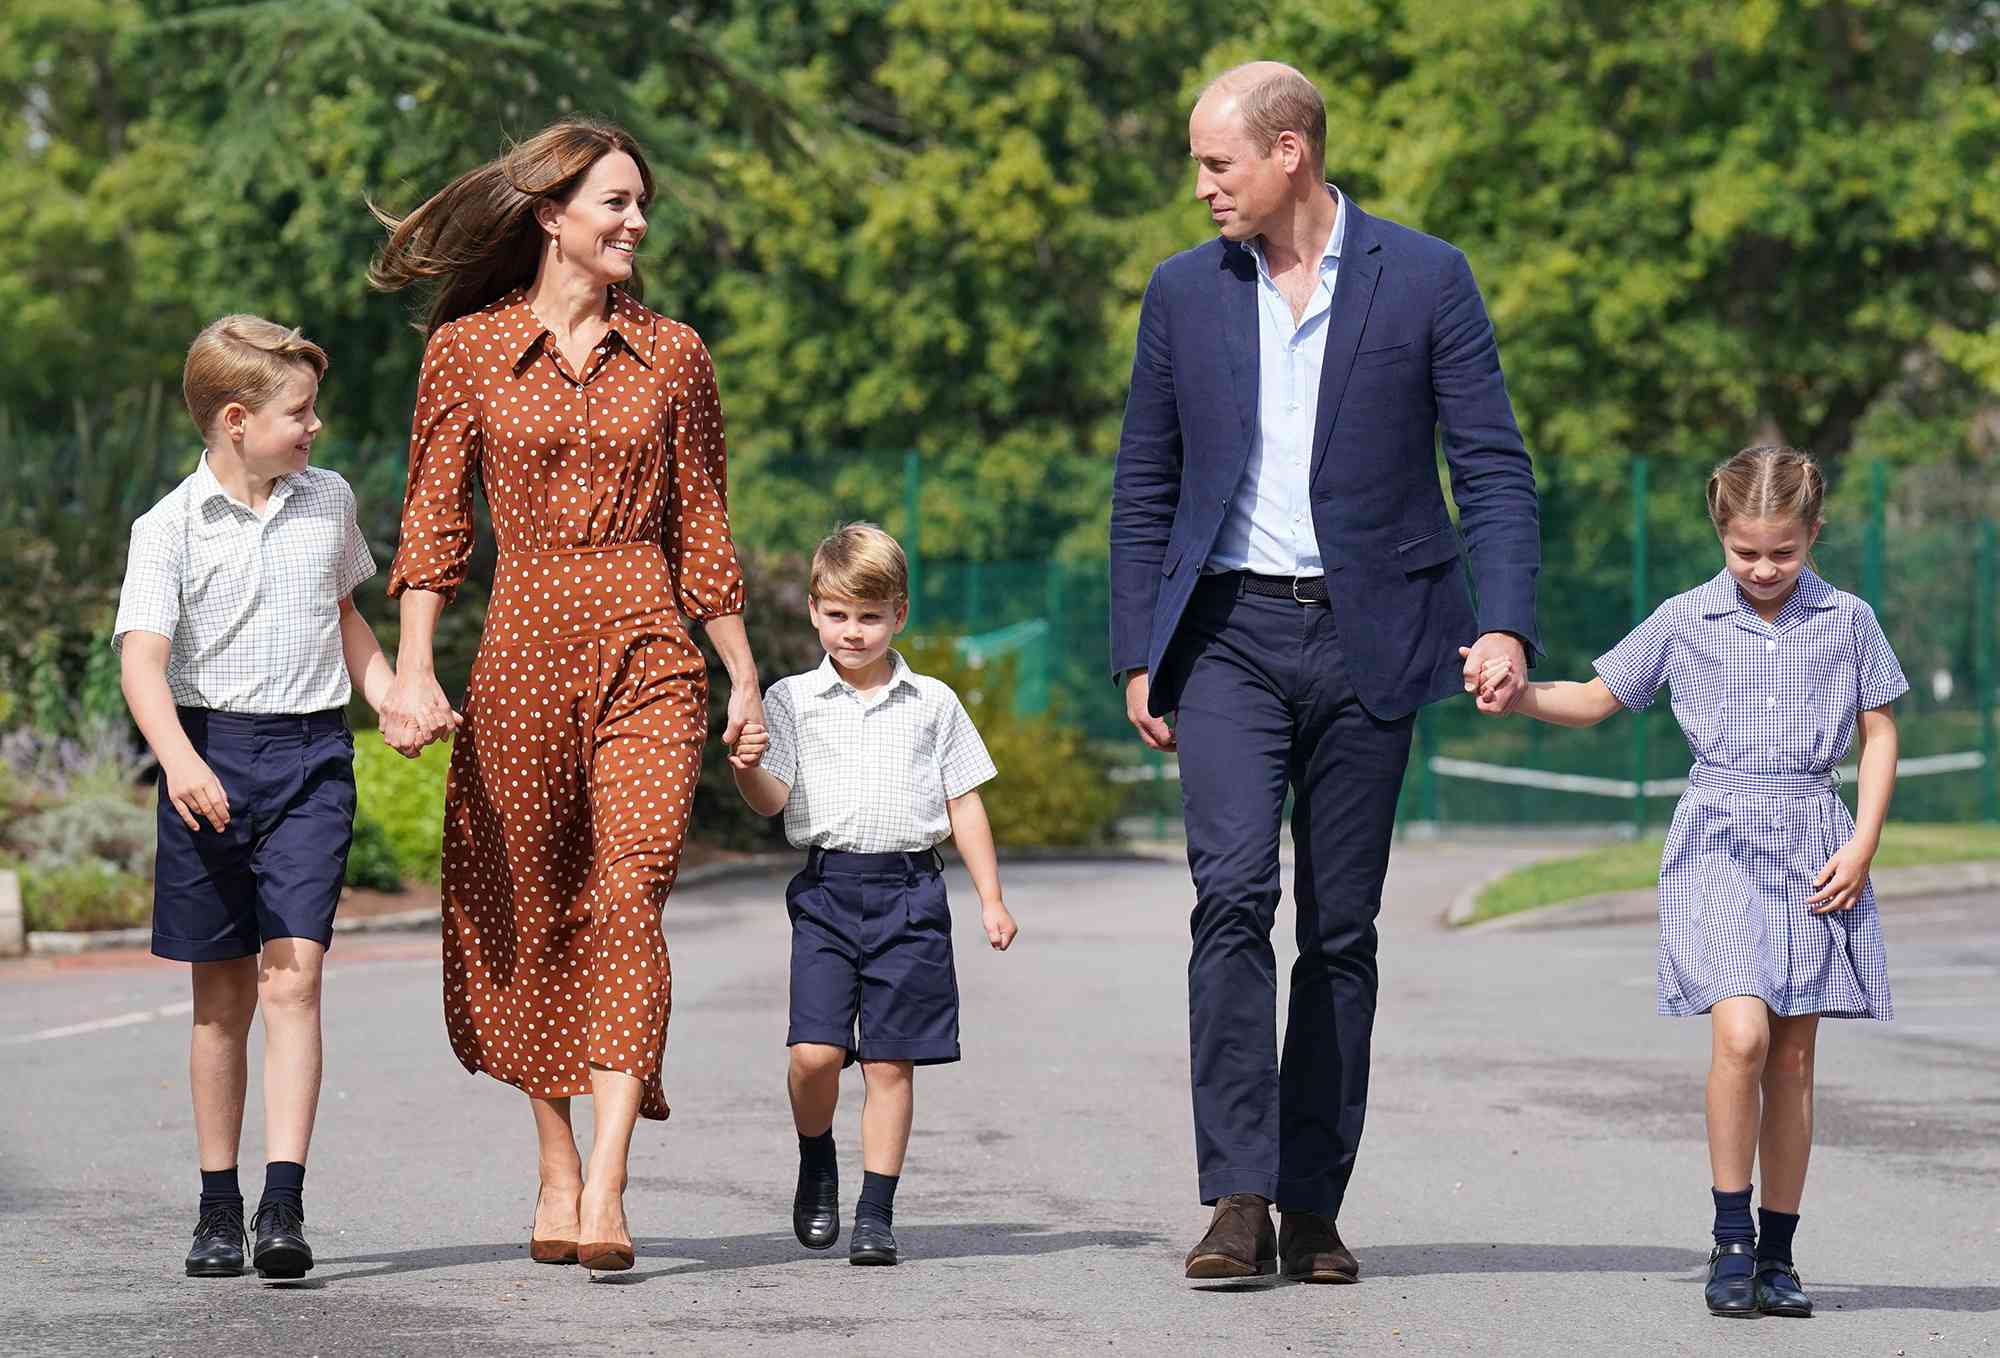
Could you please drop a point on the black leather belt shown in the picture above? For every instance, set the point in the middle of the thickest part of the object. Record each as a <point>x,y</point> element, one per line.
<point>1300,589</point>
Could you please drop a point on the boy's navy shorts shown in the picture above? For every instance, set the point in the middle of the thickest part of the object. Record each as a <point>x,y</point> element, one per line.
<point>871,944</point>
<point>275,870</point>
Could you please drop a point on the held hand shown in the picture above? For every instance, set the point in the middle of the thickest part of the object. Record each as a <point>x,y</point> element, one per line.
<point>1495,646</point>
<point>1841,881</point>
<point>1000,926</point>
<point>746,709</point>
<point>1153,730</point>
<point>751,742</point>
<point>415,712</point>
<point>194,790</point>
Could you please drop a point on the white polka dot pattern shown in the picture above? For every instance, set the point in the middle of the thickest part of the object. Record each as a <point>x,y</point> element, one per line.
<point>570,785</point>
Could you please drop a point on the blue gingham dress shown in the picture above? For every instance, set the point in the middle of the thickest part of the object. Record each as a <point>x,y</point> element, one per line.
<point>1769,709</point>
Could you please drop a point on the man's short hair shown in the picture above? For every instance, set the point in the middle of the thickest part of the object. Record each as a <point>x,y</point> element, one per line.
<point>245,359</point>
<point>1274,98</point>
<point>859,561</point>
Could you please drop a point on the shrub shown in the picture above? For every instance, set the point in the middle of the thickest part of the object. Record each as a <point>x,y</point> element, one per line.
<point>404,798</point>
<point>91,894</point>
<point>371,859</point>
<point>111,830</point>
<point>1049,790</point>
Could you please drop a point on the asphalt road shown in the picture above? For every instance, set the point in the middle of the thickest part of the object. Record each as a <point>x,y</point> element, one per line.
<point>1533,1180</point>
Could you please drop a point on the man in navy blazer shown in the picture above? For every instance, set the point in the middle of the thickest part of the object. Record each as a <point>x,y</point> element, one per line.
<point>1287,584</point>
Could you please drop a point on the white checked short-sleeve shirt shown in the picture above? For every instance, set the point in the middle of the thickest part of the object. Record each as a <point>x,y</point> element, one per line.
<point>870,774</point>
<point>250,602</point>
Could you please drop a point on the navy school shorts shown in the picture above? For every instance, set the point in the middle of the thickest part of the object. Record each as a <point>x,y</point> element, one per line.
<point>871,948</point>
<point>276,870</point>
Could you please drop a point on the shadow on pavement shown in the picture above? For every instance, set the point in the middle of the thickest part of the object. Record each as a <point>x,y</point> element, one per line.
<point>1411,1261</point>
<point>1975,1300</point>
<point>919,1244</point>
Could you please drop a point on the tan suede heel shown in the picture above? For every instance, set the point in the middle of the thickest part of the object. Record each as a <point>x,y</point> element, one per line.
<point>552,1251</point>
<point>602,1256</point>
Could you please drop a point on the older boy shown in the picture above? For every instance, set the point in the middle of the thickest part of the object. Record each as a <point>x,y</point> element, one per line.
<point>873,765</point>
<point>238,642</point>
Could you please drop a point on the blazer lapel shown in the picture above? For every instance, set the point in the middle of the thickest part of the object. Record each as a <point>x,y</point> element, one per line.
<point>1353,295</point>
<point>1237,280</point>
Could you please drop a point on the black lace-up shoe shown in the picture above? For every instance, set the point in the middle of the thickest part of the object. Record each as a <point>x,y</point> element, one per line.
<point>281,1250</point>
<point>218,1244</point>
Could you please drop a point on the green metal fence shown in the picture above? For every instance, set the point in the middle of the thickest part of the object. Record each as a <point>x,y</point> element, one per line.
<point>1932,584</point>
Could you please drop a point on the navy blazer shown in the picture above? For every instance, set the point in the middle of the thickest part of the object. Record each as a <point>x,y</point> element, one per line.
<point>1409,352</point>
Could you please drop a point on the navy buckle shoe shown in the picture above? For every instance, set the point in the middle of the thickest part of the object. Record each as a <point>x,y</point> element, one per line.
<point>1735,1295</point>
<point>1780,1290</point>
<point>281,1250</point>
<point>816,1207</point>
<point>218,1244</point>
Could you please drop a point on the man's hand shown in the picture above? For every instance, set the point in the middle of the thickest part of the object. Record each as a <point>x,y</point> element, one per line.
<point>1495,699</point>
<point>1153,730</point>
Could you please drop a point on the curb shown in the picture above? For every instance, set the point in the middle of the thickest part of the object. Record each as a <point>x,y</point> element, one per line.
<point>68,942</point>
<point>1643,906</point>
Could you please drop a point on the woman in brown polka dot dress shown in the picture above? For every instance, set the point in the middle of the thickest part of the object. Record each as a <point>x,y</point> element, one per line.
<point>593,426</point>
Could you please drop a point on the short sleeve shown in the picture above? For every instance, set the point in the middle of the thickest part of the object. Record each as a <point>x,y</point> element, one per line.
<point>150,599</point>
<point>436,538</point>
<point>708,581</point>
<point>1636,668</point>
<point>356,562</point>
<point>1879,676</point>
<point>962,758</point>
<point>781,756</point>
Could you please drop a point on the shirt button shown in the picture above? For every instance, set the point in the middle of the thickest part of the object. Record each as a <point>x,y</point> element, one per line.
<point>1773,752</point>
<point>1770,645</point>
<point>1770,702</point>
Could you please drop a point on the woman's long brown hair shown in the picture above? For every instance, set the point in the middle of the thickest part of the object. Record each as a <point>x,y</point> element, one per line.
<point>476,239</point>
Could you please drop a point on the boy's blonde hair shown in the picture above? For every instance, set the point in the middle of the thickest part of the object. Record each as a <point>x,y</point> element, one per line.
<point>859,561</point>
<point>1768,481</point>
<point>245,359</point>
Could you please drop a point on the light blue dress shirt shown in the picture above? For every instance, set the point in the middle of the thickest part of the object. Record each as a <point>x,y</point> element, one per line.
<point>1268,528</point>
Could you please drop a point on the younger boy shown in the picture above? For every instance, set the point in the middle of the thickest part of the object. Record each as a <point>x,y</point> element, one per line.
<point>238,640</point>
<point>872,765</point>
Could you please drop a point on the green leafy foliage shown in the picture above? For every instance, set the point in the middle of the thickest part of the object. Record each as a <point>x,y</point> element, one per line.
<point>371,859</point>
<point>87,894</point>
<point>401,806</point>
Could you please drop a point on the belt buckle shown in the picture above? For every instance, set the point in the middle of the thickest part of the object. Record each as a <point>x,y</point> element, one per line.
<point>1300,599</point>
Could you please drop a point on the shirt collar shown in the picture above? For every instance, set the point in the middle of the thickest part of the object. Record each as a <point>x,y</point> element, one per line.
<point>1335,239</point>
<point>1721,598</point>
<point>521,329</point>
<point>206,487</point>
<point>830,680</point>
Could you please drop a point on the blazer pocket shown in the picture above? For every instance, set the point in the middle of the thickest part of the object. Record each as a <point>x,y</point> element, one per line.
<point>1388,353</point>
<point>1172,561</point>
<point>1432,549</point>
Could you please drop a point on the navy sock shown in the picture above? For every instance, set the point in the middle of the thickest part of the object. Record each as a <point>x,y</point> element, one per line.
<point>816,1152</point>
<point>1774,1236</point>
<point>1733,1224</point>
<point>285,1181</point>
<point>878,1197</point>
<point>219,1188</point>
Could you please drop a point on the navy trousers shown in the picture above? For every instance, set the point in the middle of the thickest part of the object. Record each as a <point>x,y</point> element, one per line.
<point>1267,705</point>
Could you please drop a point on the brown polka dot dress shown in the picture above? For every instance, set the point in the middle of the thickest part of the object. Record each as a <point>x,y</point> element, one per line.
<point>570,782</point>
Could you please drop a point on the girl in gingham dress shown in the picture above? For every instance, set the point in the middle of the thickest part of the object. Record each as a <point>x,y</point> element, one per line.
<point>1767,919</point>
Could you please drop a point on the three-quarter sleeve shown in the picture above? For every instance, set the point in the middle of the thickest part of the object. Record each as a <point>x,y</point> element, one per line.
<point>708,582</point>
<point>436,539</point>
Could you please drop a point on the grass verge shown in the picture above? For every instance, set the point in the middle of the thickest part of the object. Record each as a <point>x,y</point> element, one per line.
<point>1636,865</point>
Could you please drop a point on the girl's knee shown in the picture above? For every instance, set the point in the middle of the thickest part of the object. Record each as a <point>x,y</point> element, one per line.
<point>1742,1046</point>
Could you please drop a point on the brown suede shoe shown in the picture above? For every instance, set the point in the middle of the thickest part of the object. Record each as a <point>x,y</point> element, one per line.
<point>1310,1246</point>
<point>1240,1242</point>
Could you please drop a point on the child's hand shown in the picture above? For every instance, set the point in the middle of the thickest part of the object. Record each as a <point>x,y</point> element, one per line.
<point>1841,881</point>
<point>1000,928</point>
<point>194,790</point>
<point>751,742</point>
<point>1492,675</point>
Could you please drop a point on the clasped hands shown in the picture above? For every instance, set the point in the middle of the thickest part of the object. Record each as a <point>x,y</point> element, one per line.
<point>415,712</point>
<point>1496,670</point>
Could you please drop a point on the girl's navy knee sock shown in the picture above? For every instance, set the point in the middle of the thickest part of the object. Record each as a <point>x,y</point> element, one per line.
<point>219,1188</point>
<point>1774,1236</point>
<point>1733,1225</point>
<point>878,1197</point>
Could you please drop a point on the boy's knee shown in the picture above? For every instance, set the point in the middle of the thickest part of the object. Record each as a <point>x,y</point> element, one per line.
<point>887,1073</point>
<point>225,993</point>
<point>817,1058</point>
<point>289,980</point>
